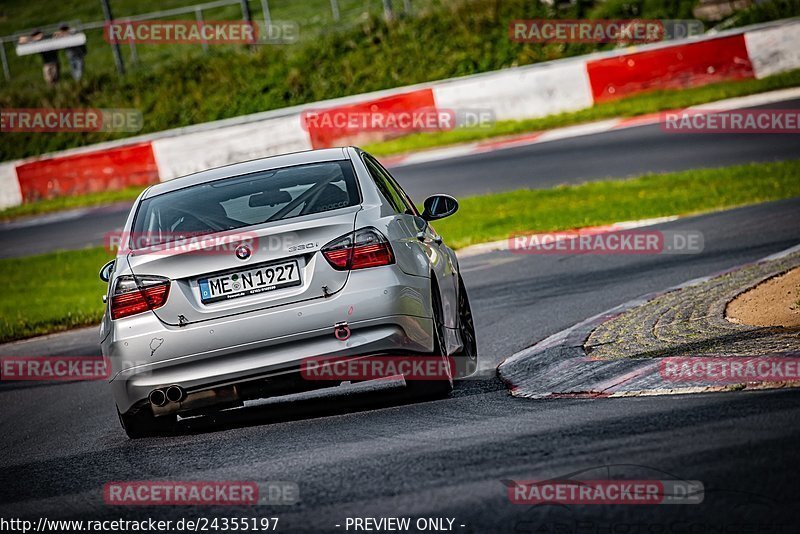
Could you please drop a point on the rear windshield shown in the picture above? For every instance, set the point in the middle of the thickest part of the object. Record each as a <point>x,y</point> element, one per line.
<point>246,200</point>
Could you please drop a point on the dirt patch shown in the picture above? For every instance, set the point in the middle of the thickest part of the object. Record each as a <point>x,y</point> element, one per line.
<point>775,302</point>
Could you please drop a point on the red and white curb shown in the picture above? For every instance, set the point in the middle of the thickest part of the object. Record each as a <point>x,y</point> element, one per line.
<point>557,366</point>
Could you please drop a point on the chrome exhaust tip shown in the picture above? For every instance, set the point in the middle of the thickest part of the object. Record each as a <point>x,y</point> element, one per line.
<point>175,393</point>
<point>157,397</point>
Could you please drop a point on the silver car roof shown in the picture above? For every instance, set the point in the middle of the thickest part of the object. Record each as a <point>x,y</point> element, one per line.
<point>247,167</point>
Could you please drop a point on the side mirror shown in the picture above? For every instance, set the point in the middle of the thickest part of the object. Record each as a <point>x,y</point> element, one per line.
<point>439,207</point>
<point>107,270</point>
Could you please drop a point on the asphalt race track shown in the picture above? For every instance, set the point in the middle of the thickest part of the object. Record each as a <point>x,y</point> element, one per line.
<point>616,154</point>
<point>369,453</point>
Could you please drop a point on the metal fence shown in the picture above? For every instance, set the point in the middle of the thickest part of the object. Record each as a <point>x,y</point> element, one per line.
<point>196,10</point>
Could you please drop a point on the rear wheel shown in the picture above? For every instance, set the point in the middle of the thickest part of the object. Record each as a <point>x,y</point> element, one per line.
<point>467,356</point>
<point>434,388</point>
<point>141,423</point>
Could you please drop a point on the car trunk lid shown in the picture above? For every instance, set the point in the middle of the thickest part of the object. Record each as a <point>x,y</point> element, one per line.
<point>200,269</point>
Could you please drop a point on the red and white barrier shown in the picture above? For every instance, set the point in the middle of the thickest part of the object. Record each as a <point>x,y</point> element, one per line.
<point>515,93</point>
<point>328,130</point>
<point>678,66</point>
<point>524,92</point>
<point>90,172</point>
<point>197,150</point>
<point>774,50</point>
<point>10,194</point>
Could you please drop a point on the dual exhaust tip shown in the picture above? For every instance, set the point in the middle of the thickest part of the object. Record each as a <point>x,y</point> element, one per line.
<point>160,397</point>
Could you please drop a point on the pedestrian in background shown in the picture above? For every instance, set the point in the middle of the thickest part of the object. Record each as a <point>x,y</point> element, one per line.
<point>51,68</point>
<point>74,54</point>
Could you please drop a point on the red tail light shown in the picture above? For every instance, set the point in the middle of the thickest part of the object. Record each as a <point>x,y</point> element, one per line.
<point>130,298</point>
<point>362,249</point>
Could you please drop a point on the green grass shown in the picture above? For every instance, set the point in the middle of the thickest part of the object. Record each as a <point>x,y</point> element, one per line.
<point>628,107</point>
<point>313,17</point>
<point>65,203</point>
<point>494,217</point>
<point>50,293</point>
<point>58,291</point>
<point>179,85</point>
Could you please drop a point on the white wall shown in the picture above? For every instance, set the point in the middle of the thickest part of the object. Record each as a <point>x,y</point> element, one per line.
<point>774,50</point>
<point>10,194</point>
<point>521,93</point>
<point>192,152</point>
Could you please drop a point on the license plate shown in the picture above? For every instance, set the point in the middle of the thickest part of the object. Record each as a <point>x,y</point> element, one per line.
<point>250,282</point>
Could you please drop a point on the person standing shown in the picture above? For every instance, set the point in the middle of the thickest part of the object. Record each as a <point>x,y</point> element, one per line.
<point>74,54</point>
<point>51,68</point>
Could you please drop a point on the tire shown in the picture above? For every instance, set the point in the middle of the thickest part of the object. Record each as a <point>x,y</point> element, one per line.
<point>467,357</point>
<point>141,423</point>
<point>433,389</point>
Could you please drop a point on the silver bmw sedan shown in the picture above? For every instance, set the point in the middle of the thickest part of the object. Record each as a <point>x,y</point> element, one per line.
<point>228,282</point>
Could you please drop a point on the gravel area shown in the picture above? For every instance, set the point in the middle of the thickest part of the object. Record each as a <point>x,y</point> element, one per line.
<point>691,322</point>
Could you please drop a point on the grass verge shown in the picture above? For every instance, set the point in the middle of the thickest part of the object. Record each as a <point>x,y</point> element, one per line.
<point>57,291</point>
<point>65,203</point>
<point>493,217</point>
<point>51,292</point>
<point>628,107</point>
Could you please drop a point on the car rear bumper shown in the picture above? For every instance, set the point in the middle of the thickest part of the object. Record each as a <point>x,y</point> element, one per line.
<point>385,309</point>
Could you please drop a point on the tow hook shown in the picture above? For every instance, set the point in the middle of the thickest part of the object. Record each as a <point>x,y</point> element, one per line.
<point>341,331</point>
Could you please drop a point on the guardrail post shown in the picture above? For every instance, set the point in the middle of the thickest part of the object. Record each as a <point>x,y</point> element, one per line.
<point>335,9</point>
<point>114,47</point>
<point>198,15</point>
<point>134,54</point>
<point>267,16</point>
<point>246,15</point>
<point>6,72</point>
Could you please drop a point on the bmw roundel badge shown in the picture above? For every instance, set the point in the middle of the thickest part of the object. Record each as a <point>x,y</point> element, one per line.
<point>243,252</point>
